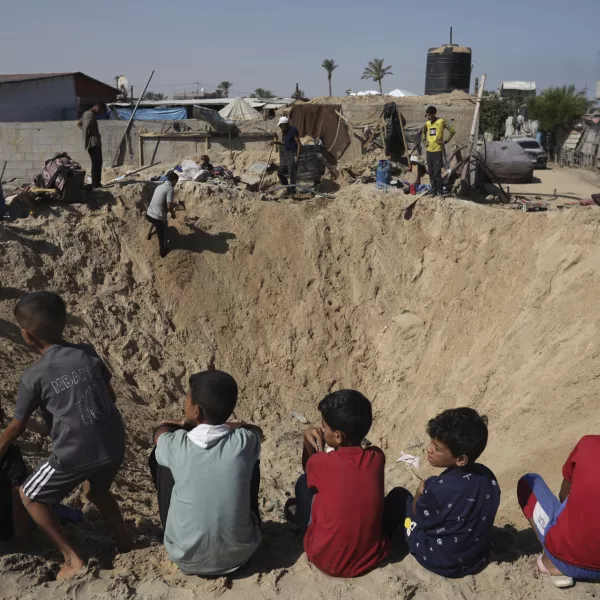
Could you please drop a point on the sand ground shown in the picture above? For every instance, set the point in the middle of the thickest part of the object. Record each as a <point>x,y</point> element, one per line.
<point>460,304</point>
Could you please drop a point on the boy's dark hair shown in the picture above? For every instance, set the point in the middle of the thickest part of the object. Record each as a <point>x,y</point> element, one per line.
<point>172,177</point>
<point>347,411</point>
<point>431,110</point>
<point>44,314</point>
<point>463,430</point>
<point>215,392</point>
<point>205,158</point>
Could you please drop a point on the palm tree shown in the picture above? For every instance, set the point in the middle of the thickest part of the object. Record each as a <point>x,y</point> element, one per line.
<point>262,93</point>
<point>376,71</point>
<point>559,107</point>
<point>329,65</point>
<point>225,86</point>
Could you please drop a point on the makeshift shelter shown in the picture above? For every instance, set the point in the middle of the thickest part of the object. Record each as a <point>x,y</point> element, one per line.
<point>239,110</point>
<point>322,121</point>
<point>506,162</point>
<point>398,93</point>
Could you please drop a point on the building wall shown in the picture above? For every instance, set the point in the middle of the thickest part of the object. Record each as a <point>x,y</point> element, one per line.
<point>25,146</point>
<point>50,99</point>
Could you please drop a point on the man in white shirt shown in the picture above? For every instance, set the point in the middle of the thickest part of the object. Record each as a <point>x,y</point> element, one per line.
<point>160,205</point>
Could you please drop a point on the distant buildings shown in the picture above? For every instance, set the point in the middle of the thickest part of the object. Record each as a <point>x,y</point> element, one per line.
<point>50,96</point>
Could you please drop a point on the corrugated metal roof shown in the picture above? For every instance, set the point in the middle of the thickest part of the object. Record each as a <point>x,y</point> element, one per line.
<point>19,77</point>
<point>30,76</point>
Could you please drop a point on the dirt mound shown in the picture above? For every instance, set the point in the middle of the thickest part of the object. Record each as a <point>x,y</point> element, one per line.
<point>460,304</point>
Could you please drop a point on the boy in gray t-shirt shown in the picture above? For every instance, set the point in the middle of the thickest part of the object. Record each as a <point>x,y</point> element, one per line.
<point>71,387</point>
<point>207,476</point>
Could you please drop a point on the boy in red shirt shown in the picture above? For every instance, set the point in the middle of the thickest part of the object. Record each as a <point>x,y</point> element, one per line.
<point>568,526</point>
<point>339,501</point>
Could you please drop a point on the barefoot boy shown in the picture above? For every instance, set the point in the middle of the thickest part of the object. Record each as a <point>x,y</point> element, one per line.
<point>340,499</point>
<point>568,526</point>
<point>207,476</point>
<point>71,387</point>
<point>448,524</point>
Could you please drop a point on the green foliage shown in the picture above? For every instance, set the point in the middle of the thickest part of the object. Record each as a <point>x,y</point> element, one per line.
<point>329,65</point>
<point>224,88</point>
<point>559,107</point>
<point>376,71</point>
<point>495,110</point>
<point>298,94</point>
<point>262,93</point>
<point>153,97</point>
<point>348,92</point>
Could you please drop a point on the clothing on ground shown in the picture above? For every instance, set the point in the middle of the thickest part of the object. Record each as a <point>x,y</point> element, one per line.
<point>433,134</point>
<point>289,139</point>
<point>91,131</point>
<point>210,527</point>
<point>540,504</point>
<point>162,233</point>
<point>51,485</point>
<point>345,536</point>
<point>69,386</point>
<point>574,538</point>
<point>95,153</point>
<point>162,199</point>
<point>288,168</point>
<point>13,473</point>
<point>435,161</point>
<point>450,533</point>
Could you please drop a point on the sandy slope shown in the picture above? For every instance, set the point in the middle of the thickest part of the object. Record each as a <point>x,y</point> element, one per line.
<point>461,304</point>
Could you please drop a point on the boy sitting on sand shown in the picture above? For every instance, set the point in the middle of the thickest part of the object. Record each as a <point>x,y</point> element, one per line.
<point>207,476</point>
<point>339,501</point>
<point>448,524</point>
<point>71,387</point>
<point>568,526</point>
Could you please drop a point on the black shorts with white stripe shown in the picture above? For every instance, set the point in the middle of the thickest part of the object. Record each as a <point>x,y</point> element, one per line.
<point>51,485</point>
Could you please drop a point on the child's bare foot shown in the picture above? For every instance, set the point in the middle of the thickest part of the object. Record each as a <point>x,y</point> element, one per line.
<point>71,567</point>
<point>552,570</point>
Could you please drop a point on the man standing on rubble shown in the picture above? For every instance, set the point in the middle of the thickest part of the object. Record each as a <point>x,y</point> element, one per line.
<point>93,141</point>
<point>433,136</point>
<point>289,157</point>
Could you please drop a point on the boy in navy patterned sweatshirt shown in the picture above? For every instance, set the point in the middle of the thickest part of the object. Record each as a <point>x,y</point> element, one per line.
<point>448,523</point>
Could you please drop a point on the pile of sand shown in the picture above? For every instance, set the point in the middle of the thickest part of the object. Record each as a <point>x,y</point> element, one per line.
<point>460,304</point>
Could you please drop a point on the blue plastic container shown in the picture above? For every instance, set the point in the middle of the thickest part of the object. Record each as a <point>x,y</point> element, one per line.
<point>384,175</point>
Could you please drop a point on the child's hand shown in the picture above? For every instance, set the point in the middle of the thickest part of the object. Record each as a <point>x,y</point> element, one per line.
<point>421,488</point>
<point>315,439</point>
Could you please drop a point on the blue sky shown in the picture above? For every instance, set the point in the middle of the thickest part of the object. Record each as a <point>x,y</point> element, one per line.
<point>274,44</point>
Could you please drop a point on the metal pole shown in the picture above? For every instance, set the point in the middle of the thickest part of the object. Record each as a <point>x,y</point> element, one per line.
<point>114,162</point>
<point>474,128</point>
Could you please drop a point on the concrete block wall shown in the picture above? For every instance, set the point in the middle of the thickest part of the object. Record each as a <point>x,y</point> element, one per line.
<point>27,145</point>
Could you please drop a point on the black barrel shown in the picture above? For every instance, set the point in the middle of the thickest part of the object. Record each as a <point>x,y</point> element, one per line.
<point>448,69</point>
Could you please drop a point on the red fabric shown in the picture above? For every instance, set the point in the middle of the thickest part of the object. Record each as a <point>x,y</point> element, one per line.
<point>345,537</point>
<point>527,500</point>
<point>575,539</point>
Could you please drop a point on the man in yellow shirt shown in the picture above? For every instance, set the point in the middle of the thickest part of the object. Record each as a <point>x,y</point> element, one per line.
<point>433,136</point>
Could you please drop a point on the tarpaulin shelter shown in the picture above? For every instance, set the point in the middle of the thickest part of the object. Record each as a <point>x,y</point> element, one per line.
<point>172,113</point>
<point>398,93</point>
<point>322,121</point>
<point>239,110</point>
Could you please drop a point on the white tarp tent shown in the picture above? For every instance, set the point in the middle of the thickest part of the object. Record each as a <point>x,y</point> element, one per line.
<point>366,93</point>
<point>398,93</point>
<point>239,110</point>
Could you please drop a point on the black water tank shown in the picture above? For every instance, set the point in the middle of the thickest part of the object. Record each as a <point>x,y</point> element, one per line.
<point>448,69</point>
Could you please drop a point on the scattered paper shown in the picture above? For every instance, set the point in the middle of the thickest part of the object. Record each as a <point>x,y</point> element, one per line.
<point>409,459</point>
<point>300,418</point>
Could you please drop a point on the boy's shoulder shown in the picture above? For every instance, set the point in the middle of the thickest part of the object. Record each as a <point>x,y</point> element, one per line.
<point>469,476</point>
<point>374,455</point>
